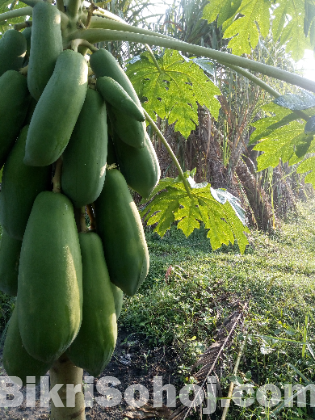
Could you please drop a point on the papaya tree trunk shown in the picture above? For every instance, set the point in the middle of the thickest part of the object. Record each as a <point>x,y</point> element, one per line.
<point>66,373</point>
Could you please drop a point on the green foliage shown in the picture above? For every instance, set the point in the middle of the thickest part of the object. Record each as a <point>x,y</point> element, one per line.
<point>5,6</point>
<point>173,88</point>
<point>281,136</point>
<point>170,202</point>
<point>245,20</point>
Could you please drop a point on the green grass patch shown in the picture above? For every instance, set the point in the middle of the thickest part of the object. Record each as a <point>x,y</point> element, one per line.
<point>275,277</point>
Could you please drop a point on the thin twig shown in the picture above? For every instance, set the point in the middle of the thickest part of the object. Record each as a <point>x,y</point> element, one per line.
<point>226,408</point>
<point>217,357</point>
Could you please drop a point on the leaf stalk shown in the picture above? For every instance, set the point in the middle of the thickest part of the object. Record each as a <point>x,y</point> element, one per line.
<point>170,152</point>
<point>98,35</point>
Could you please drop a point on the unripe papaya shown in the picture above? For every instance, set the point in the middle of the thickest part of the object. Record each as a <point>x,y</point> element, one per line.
<point>118,298</point>
<point>119,226</point>
<point>95,343</point>
<point>14,101</point>
<point>27,33</point>
<point>50,278</point>
<point>113,93</point>
<point>46,45</point>
<point>10,249</point>
<point>129,130</point>
<point>16,361</point>
<point>12,51</point>
<point>20,186</point>
<point>57,110</point>
<point>84,160</point>
<point>140,167</point>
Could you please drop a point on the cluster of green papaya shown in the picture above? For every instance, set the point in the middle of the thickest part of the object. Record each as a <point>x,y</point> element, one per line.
<point>64,115</point>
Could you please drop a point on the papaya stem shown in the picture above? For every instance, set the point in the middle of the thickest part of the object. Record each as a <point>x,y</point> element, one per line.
<point>56,181</point>
<point>73,7</point>
<point>90,14</point>
<point>170,152</point>
<point>60,6</point>
<point>13,4</point>
<point>83,227</point>
<point>77,42</point>
<point>24,70</point>
<point>70,376</point>
<point>24,11</point>
<point>91,216</point>
<point>106,13</point>
<point>98,35</point>
<point>264,86</point>
<point>153,58</point>
<point>19,26</point>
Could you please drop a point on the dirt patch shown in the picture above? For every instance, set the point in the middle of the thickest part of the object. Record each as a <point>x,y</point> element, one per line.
<point>135,361</point>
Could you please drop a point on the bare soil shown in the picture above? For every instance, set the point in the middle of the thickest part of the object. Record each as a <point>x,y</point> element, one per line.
<point>134,361</point>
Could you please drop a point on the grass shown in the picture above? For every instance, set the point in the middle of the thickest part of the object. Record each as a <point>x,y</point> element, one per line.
<point>275,277</point>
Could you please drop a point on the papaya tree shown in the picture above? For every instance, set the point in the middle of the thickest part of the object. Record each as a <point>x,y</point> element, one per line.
<point>73,140</point>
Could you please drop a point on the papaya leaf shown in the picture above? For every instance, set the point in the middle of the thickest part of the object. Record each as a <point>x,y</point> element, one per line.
<point>170,202</point>
<point>245,20</point>
<point>281,136</point>
<point>255,12</point>
<point>288,26</point>
<point>296,102</point>
<point>173,89</point>
<point>223,9</point>
<point>308,165</point>
<point>310,126</point>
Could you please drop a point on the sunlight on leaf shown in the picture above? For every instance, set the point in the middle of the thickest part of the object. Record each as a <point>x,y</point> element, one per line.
<point>173,90</point>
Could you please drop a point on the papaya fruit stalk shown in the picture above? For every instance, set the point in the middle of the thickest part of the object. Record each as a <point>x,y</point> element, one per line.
<point>57,176</point>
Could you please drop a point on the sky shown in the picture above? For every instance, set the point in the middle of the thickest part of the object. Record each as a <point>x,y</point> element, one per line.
<point>308,65</point>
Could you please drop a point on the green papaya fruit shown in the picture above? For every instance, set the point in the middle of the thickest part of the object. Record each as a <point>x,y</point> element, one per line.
<point>50,278</point>
<point>12,51</point>
<point>20,186</point>
<point>16,361</point>
<point>129,130</point>
<point>14,102</point>
<point>140,167</point>
<point>10,249</point>
<point>84,160</point>
<point>95,343</point>
<point>118,298</point>
<point>27,33</point>
<point>119,226</point>
<point>30,111</point>
<point>57,110</point>
<point>46,45</point>
<point>113,93</point>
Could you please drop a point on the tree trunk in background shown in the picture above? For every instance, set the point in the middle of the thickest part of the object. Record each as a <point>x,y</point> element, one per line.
<point>257,197</point>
